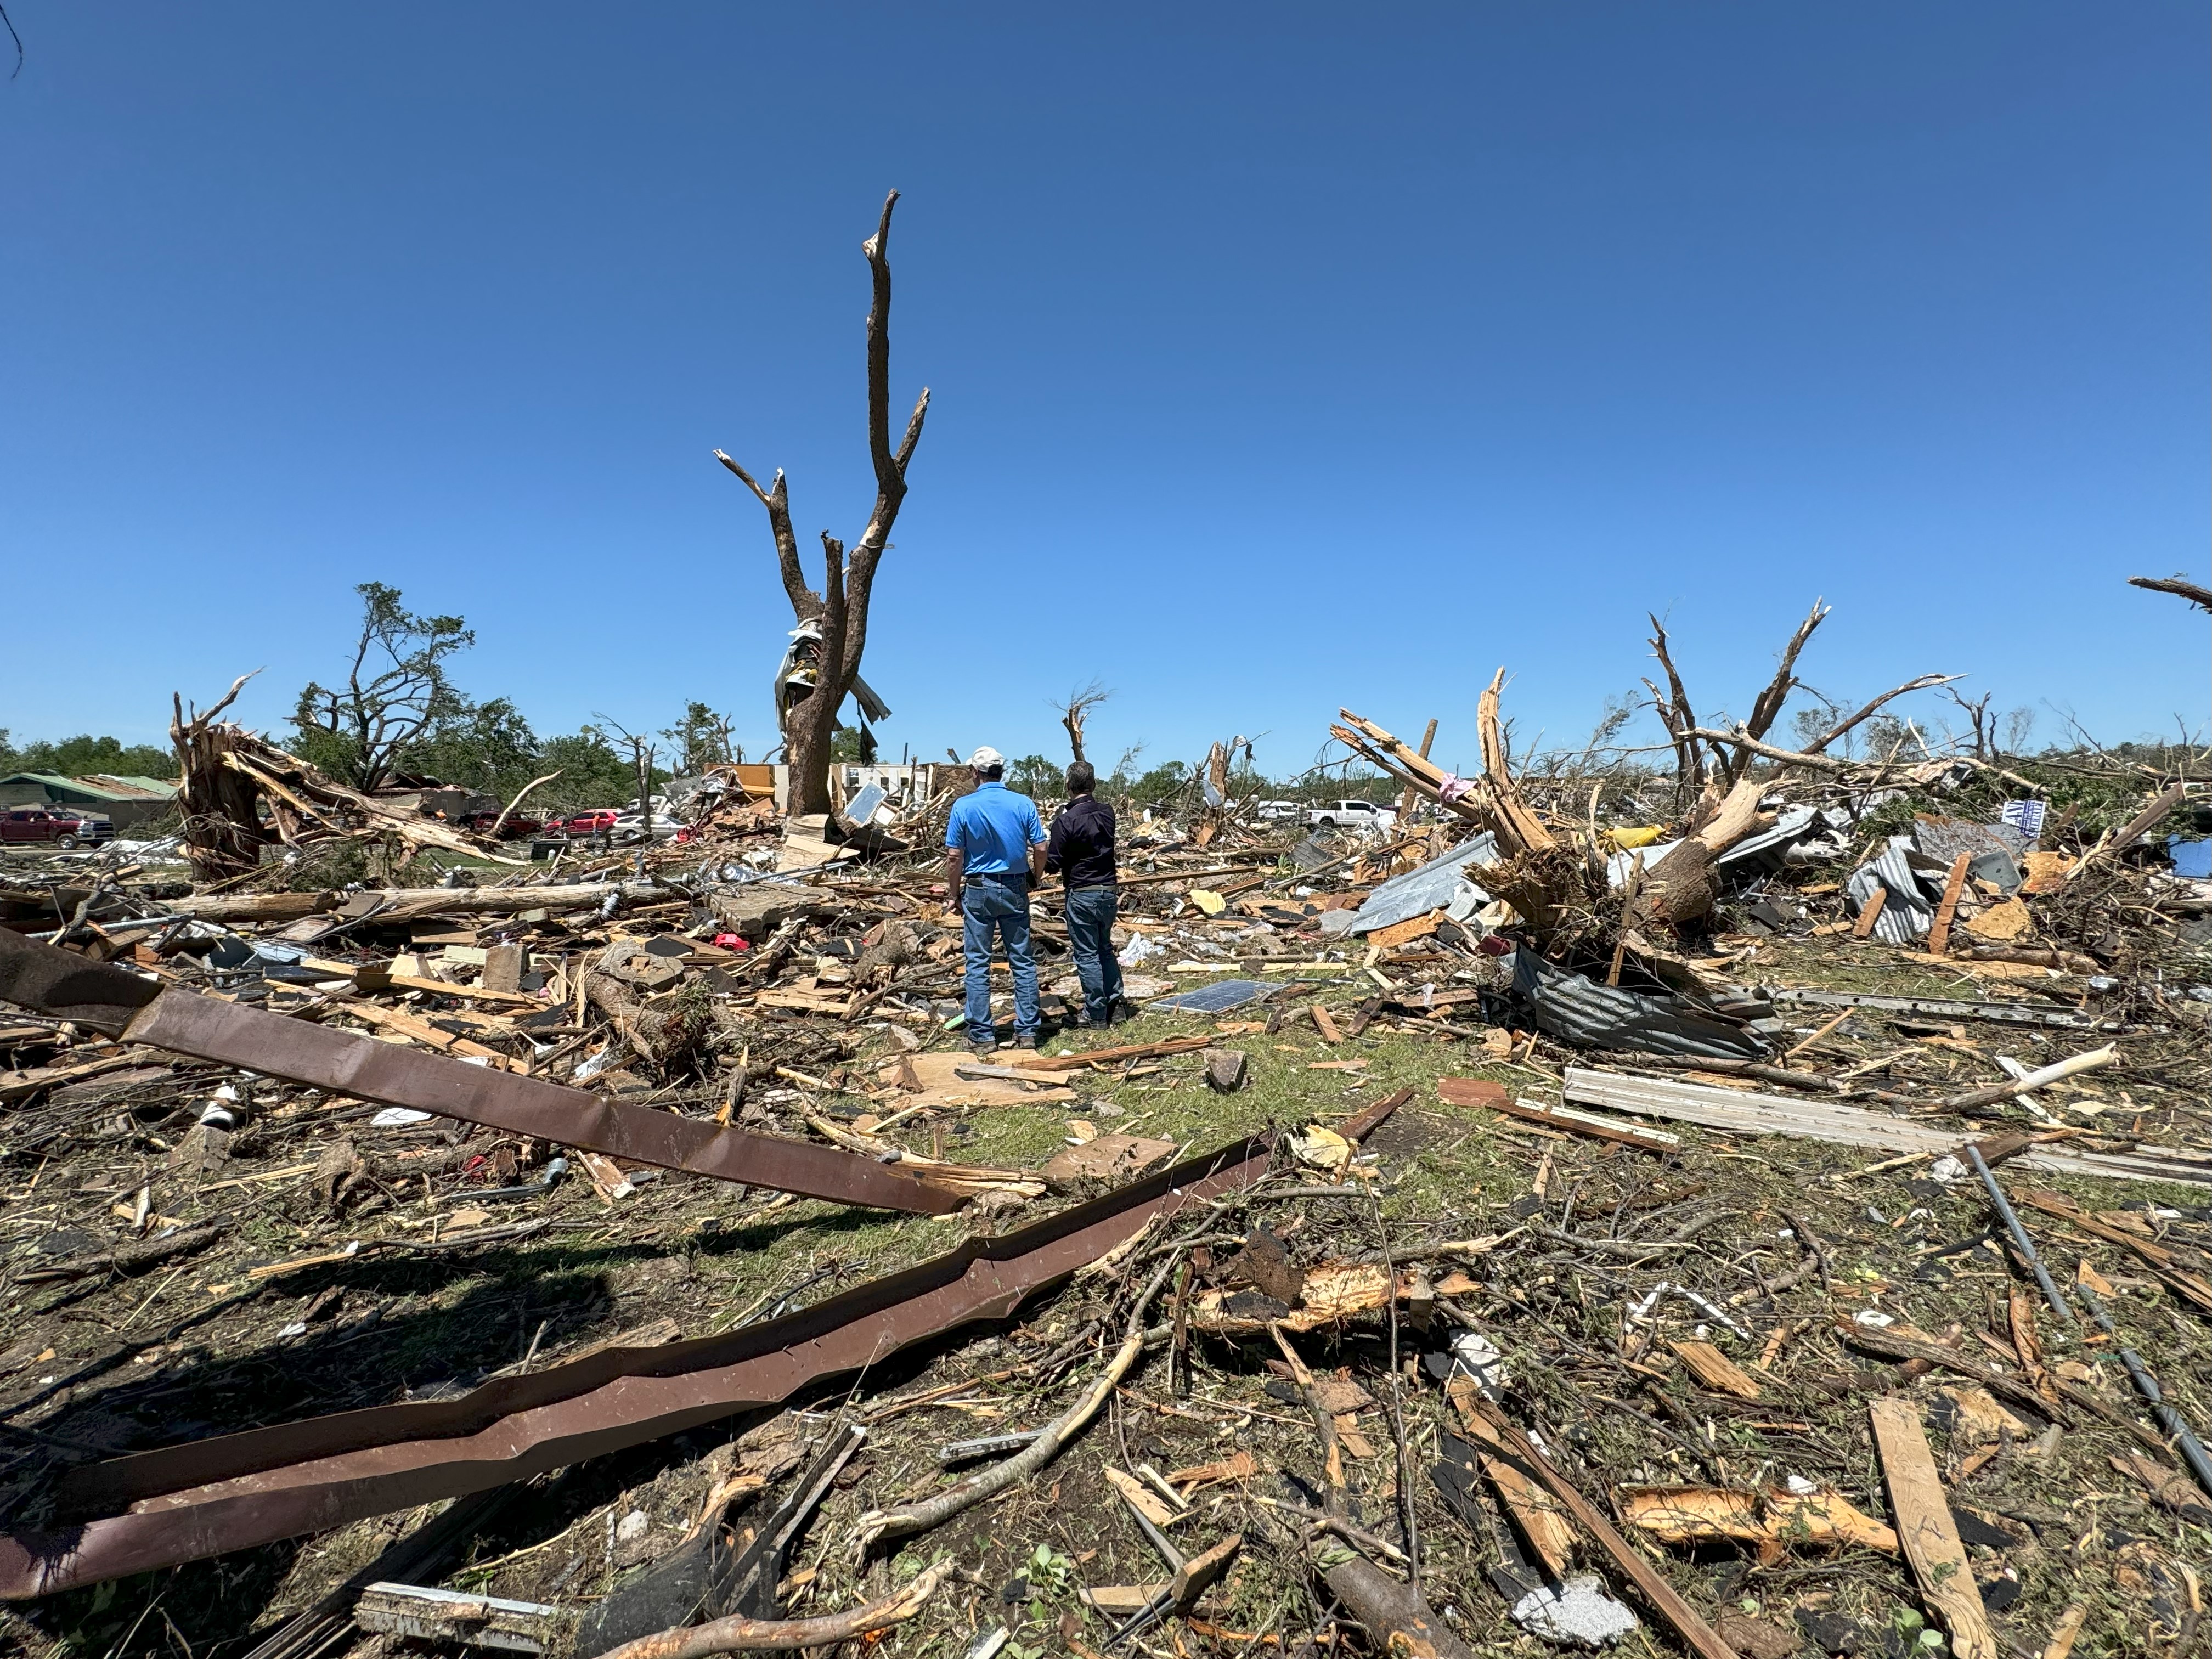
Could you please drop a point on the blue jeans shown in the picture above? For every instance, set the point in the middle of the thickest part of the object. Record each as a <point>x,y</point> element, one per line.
<point>1091,937</point>
<point>999,904</point>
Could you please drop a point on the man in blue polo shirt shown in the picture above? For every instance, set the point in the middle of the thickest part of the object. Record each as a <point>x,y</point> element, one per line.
<point>993,850</point>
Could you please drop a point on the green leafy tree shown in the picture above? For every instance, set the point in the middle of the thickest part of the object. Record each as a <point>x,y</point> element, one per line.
<point>1161,784</point>
<point>483,745</point>
<point>593,772</point>
<point>395,694</point>
<point>78,756</point>
<point>1034,775</point>
<point>702,740</point>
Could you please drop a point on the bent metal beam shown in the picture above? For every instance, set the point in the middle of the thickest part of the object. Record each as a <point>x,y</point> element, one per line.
<point>66,986</point>
<point>180,1502</point>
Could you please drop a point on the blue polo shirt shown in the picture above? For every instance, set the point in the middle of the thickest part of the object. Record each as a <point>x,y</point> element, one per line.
<point>995,827</point>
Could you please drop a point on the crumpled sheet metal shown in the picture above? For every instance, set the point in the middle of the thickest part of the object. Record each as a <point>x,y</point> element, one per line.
<point>1590,1015</point>
<point>238,1491</point>
<point>1431,887</point>
<point>1916,888</point>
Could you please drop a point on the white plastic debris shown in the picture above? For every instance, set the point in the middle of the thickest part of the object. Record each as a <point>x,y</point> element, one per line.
<point>1579,1612</point>
<point>1874,1316</point>
<point>1478,1356</point>
<point>1800,1487</point>
<point>1947,1170</point>
<point>1139,949</point>
<point>398,1117</point>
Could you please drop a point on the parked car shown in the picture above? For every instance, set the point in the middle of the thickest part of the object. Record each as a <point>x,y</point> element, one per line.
<point>1276,811</point>
<point>629,827</point>
<point>597,822</point>
<point>41,823</point>
<point>1351,814</point>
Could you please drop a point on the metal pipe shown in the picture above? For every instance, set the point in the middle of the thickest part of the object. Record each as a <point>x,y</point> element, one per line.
<point>2177,1429</point>
<point>2020,1238</point>
<point>2192,1453</point>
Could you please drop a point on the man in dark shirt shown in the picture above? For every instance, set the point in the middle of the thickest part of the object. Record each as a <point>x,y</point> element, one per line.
<point>1081,851</point>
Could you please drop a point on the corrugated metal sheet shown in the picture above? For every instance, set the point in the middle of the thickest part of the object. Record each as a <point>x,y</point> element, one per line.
<point>1916,888</point>
<point>1590,1015</point>
<point>1431,887</point>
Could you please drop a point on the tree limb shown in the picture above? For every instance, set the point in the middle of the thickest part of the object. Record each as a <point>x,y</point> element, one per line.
<point>890,469</point>
<point>1674,714</point>
<point>2179,587</point>
<point>1923,682</point>
<point>507,811</point>
<point>741,1635</point>
<point>1767,706</point>
<point>911,1518</point>
<point>806,603</point>
<point>1508,812</point>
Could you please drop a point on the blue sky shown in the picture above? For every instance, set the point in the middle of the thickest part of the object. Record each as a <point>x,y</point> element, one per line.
<point>1283,356</point>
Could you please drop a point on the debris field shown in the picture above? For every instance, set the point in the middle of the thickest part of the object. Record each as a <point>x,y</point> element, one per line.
<point>1761,1207</point>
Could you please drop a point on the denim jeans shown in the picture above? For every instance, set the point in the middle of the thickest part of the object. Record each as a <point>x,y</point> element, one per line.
<point>1091,937</point>
<point>998,904</point>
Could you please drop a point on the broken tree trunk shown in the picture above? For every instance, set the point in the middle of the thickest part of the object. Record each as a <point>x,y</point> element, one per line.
<point>223,833</point>
<point>840,611</point>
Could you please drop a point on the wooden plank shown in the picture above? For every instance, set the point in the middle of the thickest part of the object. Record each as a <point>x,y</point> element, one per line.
<point>1326,1025</point>
<point>422,1031</point>
<point>1939,936</point>
<point>444,1615</point>
<point>1405,932</point>
<point>1869,912</point>
<point>1921,1514</point>
<point>1662,1598</point>
<point>446,989</point>
<point>1715,1370</point>
<point>1481,1092</point>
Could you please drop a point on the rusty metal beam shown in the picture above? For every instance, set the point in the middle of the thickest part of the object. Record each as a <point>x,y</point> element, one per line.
<point>68,986</point>
<point>346,1063</point>
<point>238,1491</point>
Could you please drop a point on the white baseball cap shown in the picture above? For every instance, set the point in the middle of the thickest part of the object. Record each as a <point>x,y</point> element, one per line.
<point>985,758</point>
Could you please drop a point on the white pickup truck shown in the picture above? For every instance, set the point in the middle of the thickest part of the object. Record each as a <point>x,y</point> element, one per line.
<point>1351,815</point>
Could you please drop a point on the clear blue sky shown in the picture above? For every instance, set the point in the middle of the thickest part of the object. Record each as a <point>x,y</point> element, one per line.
<point>1283,356</point>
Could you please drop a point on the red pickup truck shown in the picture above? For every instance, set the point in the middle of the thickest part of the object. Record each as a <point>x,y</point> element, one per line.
<point>41,823</point>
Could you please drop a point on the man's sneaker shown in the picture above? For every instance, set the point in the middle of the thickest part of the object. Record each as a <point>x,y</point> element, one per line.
<point>1026,1040</point>
<point>989,1046</point>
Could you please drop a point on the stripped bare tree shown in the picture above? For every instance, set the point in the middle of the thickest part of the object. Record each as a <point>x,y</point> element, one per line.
<point>1072,713</point>
<point>837,618</point>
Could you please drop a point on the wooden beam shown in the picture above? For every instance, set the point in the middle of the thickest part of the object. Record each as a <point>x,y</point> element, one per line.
<point>1939,936</point>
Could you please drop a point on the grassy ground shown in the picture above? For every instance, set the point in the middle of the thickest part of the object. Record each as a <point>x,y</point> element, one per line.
<point>704,1256</point>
